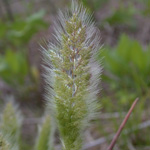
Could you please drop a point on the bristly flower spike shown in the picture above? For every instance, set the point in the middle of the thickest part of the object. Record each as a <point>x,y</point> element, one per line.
<point>3,143</point>
<point>10,127</point>
<point>72,74</point>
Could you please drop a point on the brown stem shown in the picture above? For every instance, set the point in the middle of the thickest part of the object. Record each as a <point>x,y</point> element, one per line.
<point>122,125</point>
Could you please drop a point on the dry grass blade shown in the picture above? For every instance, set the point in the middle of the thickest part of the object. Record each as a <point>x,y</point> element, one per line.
<point>122,125</point>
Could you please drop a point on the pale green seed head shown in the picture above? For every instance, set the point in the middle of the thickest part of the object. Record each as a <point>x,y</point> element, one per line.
<point>10,125</point>
<point>3,143</point>
<point>73,74</point>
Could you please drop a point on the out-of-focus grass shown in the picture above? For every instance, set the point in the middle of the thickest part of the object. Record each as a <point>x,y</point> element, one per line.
<point>126,66</point>
<point>126,76</point>
<point>15,69</point>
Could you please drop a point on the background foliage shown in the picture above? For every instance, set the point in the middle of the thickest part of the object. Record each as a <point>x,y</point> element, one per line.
<point>124,26</point>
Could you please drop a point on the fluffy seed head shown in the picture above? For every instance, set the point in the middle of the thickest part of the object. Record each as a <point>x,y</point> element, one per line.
<point>72,74</point>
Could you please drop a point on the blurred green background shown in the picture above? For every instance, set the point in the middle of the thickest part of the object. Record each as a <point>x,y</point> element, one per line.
<point>125,56</point>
